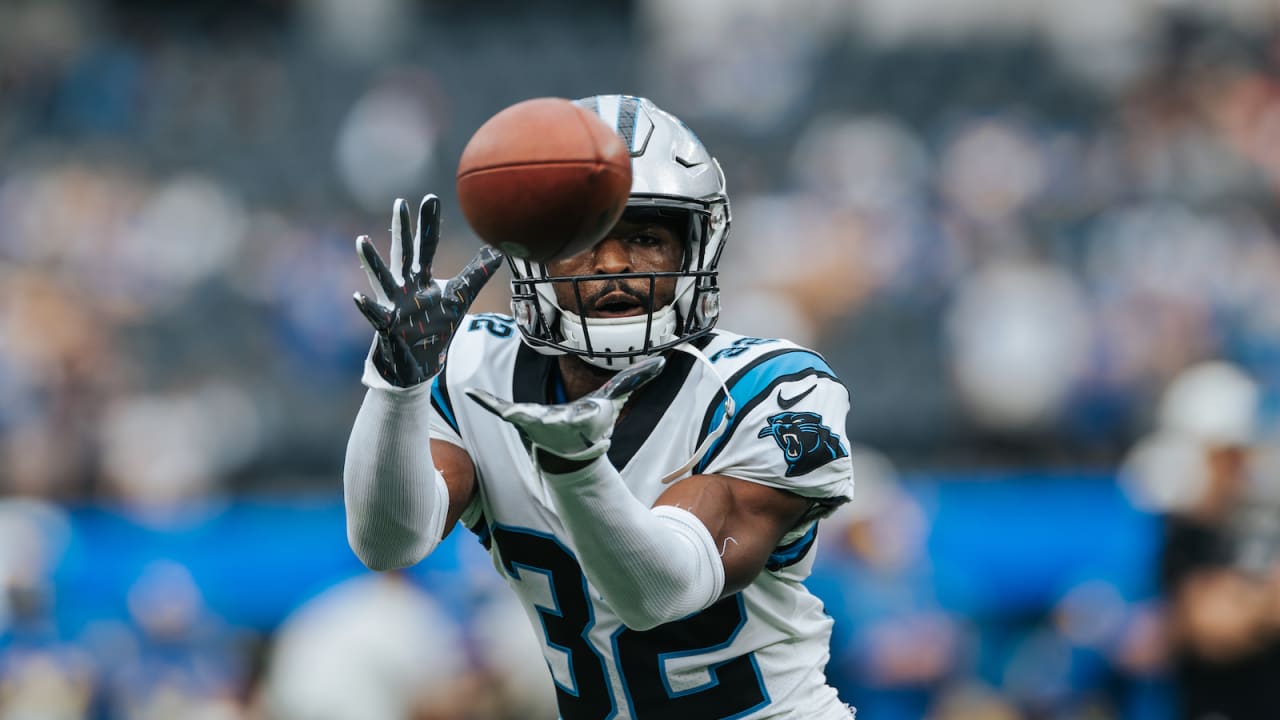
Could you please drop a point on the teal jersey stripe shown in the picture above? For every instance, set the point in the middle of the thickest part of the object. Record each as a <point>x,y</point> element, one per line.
<point>792,552</point>
<point>440,399</point>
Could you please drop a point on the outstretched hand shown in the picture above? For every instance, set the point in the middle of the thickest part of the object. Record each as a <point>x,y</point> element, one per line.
<point>578,430</point>
<point>415,318</point>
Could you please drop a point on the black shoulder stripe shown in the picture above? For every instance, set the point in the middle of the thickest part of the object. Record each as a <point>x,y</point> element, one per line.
<point>648,405</point>
<point>531,376</point>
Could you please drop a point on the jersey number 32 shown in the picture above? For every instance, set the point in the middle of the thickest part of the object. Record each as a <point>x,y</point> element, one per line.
<point>735,688</point>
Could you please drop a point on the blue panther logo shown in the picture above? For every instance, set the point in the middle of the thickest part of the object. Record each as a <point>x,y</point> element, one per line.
<point>805,440</point>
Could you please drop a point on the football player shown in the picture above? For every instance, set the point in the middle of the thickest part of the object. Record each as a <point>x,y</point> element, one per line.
<point>648,484</point>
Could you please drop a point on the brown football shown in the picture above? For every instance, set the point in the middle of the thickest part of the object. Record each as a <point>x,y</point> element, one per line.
<point>543,179</point>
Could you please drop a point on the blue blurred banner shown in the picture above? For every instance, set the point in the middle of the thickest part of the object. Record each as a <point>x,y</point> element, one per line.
<point>1017,543</point>
<point>997,544</point>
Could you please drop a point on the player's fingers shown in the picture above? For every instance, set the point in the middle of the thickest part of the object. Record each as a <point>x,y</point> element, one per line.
<point>488,401</point>
<point>467,284</point>
<point>428,235</point>
<point>585,410</point>
<point>384,286</point>
<point>526,415</point>
<point>387,347</point>
<point>377,315</point>
<point>629,380</point>
<point>401,248</point>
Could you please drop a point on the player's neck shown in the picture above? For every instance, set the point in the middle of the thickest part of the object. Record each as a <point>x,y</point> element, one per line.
<point>580,377</point>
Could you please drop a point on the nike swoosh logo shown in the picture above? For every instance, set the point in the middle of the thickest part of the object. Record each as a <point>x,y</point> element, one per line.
<point>787,403</point>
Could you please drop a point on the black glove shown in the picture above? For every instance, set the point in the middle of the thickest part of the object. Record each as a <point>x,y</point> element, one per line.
<point>414,317</point>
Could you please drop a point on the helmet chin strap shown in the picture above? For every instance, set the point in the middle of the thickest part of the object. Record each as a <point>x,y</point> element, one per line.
<point>610,335</point>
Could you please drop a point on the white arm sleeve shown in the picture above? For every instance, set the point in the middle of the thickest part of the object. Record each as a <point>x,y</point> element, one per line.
<point>396,500</point>
<point>652,565</point>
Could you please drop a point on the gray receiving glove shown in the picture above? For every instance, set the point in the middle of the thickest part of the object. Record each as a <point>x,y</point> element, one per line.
<point>414,316</point>
<point>579,430</point>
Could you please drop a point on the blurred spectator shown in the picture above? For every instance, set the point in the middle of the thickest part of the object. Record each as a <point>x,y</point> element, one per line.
<point>374,647</point>
<point>517,680</point>
<point>1019,344</point>
<point>174,658</point>
<point>1221,559</point>
<point>164,456</point>
<point>388,140</point>
<point>42,673</point>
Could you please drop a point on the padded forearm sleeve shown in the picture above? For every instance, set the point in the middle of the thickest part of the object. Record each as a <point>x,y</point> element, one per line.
<point>396,500</point>
<point>652,565</point>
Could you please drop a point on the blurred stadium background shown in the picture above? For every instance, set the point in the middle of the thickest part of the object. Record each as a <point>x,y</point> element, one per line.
<point>1009,225</point>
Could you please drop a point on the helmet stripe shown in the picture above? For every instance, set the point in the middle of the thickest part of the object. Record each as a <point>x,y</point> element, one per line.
<point>590,103</point>
<point>627,112</point>
<point>626,115</point>
<point>608,109</point>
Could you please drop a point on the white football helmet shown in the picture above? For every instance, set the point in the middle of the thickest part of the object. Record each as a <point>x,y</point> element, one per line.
<point>674,176</point>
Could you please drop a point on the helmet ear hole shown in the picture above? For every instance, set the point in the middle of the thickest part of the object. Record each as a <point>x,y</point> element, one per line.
<point>525,314</point>
<point>708,310</point>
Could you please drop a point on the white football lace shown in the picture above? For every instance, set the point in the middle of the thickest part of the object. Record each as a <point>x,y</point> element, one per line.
<point>729,410</point>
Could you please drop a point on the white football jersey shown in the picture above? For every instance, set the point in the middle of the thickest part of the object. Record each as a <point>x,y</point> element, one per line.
<point>760,653</point>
